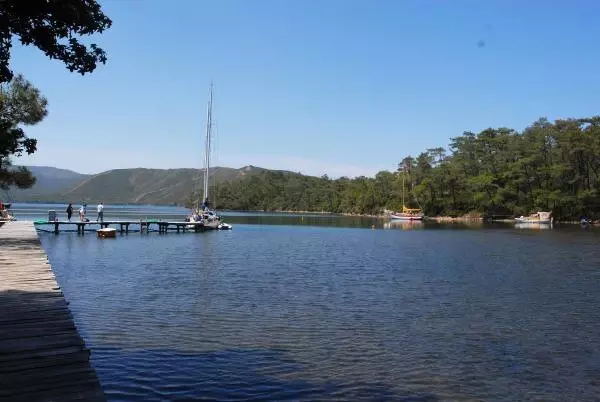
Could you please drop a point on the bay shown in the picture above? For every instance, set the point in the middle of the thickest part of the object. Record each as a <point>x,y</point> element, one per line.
<point>312,307</point>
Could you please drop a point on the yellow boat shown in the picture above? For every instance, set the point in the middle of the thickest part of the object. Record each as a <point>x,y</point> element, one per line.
<point>408,214</point>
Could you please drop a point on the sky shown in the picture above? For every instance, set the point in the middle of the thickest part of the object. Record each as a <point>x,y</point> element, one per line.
<point>337,87</point>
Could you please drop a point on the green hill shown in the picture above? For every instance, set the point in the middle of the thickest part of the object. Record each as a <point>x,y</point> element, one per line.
<point>125,186</point>
<point>50,183</point>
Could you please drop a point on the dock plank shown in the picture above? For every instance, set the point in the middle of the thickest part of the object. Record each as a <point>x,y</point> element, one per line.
<point>42,356</point>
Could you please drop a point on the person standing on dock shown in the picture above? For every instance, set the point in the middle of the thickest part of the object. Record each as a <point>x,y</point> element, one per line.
<point>69,212</point>
<point>82,213</point>
<point>100,217</point>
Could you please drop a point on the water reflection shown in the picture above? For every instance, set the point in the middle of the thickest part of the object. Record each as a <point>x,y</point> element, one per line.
<point>307,312</point>
<point>531,225</point>
<point>404,225</point>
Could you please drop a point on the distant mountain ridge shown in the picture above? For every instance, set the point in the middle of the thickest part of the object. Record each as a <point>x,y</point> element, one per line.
<point>50,182</point>
<point>125,186</point>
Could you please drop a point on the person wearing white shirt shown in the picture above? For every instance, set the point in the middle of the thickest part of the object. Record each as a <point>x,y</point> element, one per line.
<point>100,217</point>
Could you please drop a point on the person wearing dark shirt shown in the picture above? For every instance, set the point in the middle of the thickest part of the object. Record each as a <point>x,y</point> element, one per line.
<point>69,212</point>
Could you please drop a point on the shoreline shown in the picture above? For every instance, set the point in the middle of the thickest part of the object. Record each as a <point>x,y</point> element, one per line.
<point>451,219</point>
<point>439,219</point>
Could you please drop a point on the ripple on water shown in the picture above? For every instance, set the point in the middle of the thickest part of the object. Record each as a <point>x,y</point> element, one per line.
<point>307,313</point>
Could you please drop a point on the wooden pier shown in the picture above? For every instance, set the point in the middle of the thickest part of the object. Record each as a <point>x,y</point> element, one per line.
<point>42,356</point>
<point>124,226</point>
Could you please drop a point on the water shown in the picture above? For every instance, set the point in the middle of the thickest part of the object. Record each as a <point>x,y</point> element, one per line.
<point>293,310</point>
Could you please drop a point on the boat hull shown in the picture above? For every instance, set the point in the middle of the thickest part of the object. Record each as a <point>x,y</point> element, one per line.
<point>401,217</point>
<point>535,226</point>
<point>543,222</point>
<point>107,233</point>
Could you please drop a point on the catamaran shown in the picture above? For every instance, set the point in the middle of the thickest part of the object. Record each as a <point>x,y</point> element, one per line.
<point>203,214</point>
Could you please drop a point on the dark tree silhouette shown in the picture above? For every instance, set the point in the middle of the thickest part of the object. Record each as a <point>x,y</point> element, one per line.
<point>54,27</point>
<point>20,104</point>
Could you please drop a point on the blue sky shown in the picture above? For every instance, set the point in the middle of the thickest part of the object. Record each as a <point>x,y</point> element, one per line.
<point>338,86</point>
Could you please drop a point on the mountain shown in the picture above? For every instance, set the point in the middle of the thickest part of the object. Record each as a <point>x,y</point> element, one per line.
<point>50,182</point>
<point>125,186</point>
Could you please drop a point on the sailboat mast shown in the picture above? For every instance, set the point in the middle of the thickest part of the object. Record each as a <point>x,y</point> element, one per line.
<point>207,142</point>
<point>403,189</point>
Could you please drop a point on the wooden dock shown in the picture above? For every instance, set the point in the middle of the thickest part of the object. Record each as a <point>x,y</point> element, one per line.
<point>124,226</point>
<point>42,356</point>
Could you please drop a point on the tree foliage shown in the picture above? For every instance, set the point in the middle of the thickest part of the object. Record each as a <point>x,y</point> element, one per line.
<point>53,26</point>
<point>20,104</point>
<point>548,166</point>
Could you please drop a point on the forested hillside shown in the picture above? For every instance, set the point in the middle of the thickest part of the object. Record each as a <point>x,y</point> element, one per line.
<point>548,166</point>
<point>49,181</point>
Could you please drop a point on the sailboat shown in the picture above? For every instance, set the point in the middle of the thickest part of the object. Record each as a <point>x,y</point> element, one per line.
<point>407,214</point>
<point>203,214</point>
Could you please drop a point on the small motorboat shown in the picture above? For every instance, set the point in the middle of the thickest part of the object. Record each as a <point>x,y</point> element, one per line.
<point>107,233</point>
<point>224,226</point>
<point>539,217</point>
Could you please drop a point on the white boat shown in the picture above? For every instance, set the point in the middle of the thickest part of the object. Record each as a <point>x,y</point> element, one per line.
<point>539,217</point>
<point>203,214</point>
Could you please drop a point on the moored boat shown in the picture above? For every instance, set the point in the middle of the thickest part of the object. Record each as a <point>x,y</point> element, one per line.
<point>107,232</point>
<point>538,217</point>
<point>203,214</point>
<point>408,214</point>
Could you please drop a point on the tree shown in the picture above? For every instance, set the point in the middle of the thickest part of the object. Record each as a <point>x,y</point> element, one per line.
<point>20,104</point>
<point>53,26</point>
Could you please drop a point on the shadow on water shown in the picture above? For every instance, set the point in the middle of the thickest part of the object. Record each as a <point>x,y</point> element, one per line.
<point>156,374</point>
<point>233,374</point>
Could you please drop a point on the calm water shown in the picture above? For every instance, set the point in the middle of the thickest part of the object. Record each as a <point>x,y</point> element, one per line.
<point>324,308</point>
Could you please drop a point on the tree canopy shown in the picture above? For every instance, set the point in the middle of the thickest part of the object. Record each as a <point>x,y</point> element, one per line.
<point>547,166</point>
<point>20,104</point>
<point>53,26</point>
